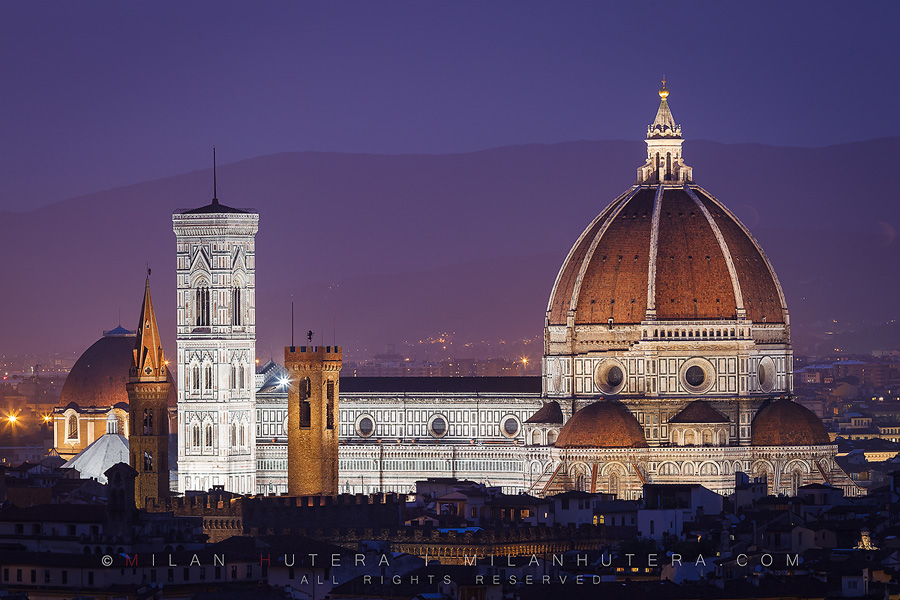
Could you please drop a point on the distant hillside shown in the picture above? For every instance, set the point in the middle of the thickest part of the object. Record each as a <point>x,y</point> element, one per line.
<point>385,249</point>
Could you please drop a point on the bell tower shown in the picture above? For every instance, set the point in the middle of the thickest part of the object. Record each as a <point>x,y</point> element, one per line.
<point>148,392</point>
<point>314,373</point>
<point>216,336</point>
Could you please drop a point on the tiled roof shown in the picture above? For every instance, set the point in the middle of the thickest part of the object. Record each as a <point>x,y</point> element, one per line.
<point>549,413</point>
<point>603,424</point>
<point>699,411</point>
<point>787,423</point>
<point>692,276</point>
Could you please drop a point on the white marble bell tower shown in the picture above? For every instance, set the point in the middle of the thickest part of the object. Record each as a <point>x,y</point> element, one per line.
<point>216,335</point>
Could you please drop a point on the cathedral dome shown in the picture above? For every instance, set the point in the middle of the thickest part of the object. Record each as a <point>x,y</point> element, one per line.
<point>665,250</point>
<point>604,424</point>
<point>787,423</point>
<point>669,252</point>
<point>99,375</point>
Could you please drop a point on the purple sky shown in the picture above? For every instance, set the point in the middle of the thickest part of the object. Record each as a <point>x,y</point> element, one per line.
<point>107,93</point>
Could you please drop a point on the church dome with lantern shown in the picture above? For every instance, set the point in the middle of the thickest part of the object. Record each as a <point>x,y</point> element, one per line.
<point>667,343</point>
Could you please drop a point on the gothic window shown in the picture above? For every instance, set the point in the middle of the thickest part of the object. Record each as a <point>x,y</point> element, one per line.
<point>202,306</point>
<point>233,436</point>
<point>236,306</point>
<point>305,389</point>
<point>233,381</point>
<point>148,422</point>
<point>195,435</point>
<point>241,430</point>
<point>195,378</point>
<point>209,435</point>
<point>148,461</point>
<point>72,427</point>
<point>613,484</point>
<point>329,414</point>
<point>240,377</point>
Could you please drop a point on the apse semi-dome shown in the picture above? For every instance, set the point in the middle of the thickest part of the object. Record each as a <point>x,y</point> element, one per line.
<point>99,375</point>
<point>788,423</point>
<point>605,424</point>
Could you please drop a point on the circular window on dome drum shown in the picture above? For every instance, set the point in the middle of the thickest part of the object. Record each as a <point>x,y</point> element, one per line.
<point>609,376</point>
<point>365,425</point>
<point>437,426</point>
<point>509,426</point>
<point>765,374</point>
<point>697,375</point>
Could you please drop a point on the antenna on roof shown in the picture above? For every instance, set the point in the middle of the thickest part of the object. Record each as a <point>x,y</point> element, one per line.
<point>215,191</point>
<point>292,323</point>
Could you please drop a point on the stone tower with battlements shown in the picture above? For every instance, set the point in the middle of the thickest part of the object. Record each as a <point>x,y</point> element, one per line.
<point>148,391</point>
<point>314,373</point>
<point>216,335</point>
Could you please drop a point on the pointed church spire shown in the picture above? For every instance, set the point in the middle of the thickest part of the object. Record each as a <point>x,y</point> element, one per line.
<point>149,364</point>
<point>664,161</point>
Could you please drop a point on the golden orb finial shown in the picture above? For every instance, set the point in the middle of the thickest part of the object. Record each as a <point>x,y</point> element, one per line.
<point>664,93</point>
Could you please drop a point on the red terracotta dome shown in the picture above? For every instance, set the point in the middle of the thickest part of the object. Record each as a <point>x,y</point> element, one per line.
<point>99,375</point>
<point>787,423</point>
<point>672,249</point>
<point>604,424</point>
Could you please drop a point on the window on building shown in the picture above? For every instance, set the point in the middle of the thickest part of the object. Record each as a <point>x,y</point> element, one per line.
<point>202,306</point>
<point>209,435</point>
<point>72,429</point>
<point>249,571</point>
<point>234,571</point>
<point>305,389</point>
<point>170,575</point>
<point>195,435</point>
<point>236,306</point>
<point>65,577</point>
<point>329,408</point>
<point>46,575</point>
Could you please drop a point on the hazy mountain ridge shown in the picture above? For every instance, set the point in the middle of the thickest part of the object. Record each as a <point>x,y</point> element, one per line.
<point>436,242</point>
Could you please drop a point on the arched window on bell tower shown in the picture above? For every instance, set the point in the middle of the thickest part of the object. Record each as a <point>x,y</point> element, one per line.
<point>236,306</point>
<point>202,306</point>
